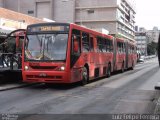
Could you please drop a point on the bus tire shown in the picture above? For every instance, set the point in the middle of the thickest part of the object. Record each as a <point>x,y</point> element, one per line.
<point>85,76</point>
<point>109,71</point>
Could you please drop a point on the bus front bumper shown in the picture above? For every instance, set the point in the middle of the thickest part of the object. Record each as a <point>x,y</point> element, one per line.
<point>46,77</point>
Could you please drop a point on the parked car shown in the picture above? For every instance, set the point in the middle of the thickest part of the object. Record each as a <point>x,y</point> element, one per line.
<point>141,59</point>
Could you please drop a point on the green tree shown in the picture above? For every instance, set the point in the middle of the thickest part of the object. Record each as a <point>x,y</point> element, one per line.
<point>152,48</point>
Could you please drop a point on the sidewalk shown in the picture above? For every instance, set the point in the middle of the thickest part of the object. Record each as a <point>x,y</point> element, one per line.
<point>149,57</point>
<point>157,89</point>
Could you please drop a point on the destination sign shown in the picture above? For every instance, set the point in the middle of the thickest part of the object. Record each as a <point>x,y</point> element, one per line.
<point>51,28</point>
<point>47,28</point>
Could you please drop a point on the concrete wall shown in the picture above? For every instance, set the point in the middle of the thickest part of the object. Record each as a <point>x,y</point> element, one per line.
<point>94,3</point>
<point>9,4</point>
<point>1,3</point>
<point>25,6</point>
<point>104,14</point>
<point>22,6</point>
<point>110,26</point>
<point>64,11</point>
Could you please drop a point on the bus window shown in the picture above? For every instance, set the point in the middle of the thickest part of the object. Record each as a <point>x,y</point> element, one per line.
<point>85,42</point>
<point>124,50</point>
<point>108,45</point>
<point>129,49</point>
<point>98,44</point>
<point>75,44</point>
<point>91,44</point>
<point>76,41</point>
<point>101,44</point>
<point>111,47</point>
<point>119,47</point>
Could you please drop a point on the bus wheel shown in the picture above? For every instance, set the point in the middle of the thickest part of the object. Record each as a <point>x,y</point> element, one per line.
<point>84,76</point>
<point>109,71</point>
<point>122,70</point>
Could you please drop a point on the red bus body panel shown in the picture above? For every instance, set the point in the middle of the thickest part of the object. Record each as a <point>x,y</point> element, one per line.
<point>96,62</point>
<point>120,56</point>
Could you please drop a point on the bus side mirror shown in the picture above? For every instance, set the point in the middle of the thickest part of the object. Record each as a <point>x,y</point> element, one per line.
<point>76,46</point>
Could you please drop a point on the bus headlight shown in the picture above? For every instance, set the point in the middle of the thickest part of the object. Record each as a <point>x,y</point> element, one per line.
<point>26,67</point>
<point>62,68</point>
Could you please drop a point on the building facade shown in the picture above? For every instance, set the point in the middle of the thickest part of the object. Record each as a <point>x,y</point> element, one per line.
<point>117,16</point>
<point>154,34</point>
<point>143,39</point>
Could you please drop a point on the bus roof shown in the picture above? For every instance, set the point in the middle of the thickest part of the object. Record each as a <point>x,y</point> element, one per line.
<point>47,23</point>
<point>85,29</point>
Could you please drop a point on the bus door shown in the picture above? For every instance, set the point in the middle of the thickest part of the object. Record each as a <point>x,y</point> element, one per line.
<point>119,55</point>
<point>126,49</point>
<point>92,56</point>
<point>75,55</point>
<point>75,49</point>
<point>129,55</point>
<point>114,53</point>
<point>132,56</point>
<point>108,56</point>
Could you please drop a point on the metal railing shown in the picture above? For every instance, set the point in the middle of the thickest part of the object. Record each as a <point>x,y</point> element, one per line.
<point>10,60</point>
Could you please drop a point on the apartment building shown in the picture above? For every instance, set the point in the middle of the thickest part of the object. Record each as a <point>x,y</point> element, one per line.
<point>154,34</point>
<point>117,16</point>
<point>142,40</point>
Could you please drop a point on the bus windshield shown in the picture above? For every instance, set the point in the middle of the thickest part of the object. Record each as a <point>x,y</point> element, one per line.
<point>46,47</point>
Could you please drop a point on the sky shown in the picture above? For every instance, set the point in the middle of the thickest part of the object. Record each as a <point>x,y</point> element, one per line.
<point>148,13</point>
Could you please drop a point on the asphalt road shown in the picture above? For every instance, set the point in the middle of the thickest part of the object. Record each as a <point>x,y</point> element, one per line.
<point>130,92</point>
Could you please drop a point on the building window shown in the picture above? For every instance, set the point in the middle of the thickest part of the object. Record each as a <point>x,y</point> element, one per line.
<point>90,11</point>
<point>30,12</point>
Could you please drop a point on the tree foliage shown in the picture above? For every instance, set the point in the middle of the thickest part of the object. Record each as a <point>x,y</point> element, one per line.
<point>152,48</point>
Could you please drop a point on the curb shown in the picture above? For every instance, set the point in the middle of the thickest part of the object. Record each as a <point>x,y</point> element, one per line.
<point>150,57</point>
<point>11,86</point>
<point>157,107</point>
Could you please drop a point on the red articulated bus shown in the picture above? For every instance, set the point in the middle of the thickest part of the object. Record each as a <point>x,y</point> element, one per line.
<point>125,55</point>
<point>119,55</point>
<point>67,53</point>
<point>131,55</point>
